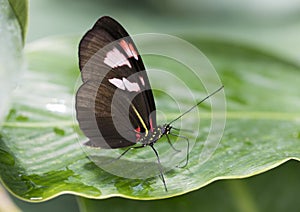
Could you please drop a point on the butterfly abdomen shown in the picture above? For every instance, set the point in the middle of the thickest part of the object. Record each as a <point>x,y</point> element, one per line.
<point>152,136</point>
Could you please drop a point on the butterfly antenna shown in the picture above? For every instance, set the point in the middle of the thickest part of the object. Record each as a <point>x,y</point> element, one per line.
<point>213,93</point>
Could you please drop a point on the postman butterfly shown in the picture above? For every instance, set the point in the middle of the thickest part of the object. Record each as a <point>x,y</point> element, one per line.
<point>115,107</point>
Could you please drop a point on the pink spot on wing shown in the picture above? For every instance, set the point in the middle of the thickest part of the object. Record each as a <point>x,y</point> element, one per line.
<point>115,58</point>
<point>138,135</point>
<point>129,49</point>
<point>117,82</point>
<point>142,80</point>
<point>131,86</point>
<point>134,52</point>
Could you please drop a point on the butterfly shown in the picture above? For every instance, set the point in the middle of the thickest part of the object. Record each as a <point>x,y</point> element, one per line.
<point>115,107</point>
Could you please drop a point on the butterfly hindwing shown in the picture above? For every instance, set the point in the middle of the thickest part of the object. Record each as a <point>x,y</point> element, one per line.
<point>115,104</point>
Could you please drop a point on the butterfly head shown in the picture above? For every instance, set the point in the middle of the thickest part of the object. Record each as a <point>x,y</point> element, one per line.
<point>166,129</point>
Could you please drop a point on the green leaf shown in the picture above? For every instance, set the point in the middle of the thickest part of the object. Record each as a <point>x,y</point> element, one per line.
<point>41,139</point>
<point>20,10</point>
<point>11,57</point>
<point>258,193</point>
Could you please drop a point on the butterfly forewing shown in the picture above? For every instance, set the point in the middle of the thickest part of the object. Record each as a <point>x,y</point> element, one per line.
<point>105,31</point>
<point>115,104</point>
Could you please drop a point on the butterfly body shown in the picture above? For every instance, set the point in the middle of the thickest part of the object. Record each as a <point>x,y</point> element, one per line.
<point>154,135</point>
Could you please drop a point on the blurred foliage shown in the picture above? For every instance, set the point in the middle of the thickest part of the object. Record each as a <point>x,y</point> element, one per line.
<point>11,57</point>
<point>7,205</point>
<point>270,25</point>
<point>20,8</point>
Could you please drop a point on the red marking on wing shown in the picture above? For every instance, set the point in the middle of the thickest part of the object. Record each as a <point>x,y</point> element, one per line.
<point>138,135</point>
<point>151,125</point>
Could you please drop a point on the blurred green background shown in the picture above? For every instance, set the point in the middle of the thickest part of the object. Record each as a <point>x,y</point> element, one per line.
<point>274,25</point>
<point>270,25</point>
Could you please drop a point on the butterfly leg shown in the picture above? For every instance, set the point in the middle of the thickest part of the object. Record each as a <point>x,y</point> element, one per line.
<point>127,150</point>
<point>187,149</point>
<point>123,153</point>
<point>159,167</point>
<point>177,150</point>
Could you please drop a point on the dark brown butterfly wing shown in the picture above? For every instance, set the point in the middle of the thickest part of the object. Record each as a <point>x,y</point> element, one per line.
<point>115,104</point>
